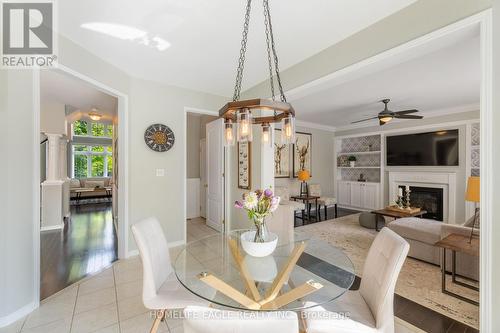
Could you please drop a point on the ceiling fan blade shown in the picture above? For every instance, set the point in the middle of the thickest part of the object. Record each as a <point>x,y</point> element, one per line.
<point>407,116</point>
<point>359,121</point>
<point>406,111</point>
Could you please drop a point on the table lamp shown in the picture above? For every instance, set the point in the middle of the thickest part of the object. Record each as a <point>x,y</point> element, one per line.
<point>472,194</point>
<point>304,176</point>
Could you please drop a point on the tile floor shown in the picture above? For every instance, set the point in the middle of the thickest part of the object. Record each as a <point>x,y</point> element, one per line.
<point>110,302</point>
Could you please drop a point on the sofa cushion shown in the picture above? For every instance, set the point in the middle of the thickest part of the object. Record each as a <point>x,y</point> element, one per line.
<point>94,183</point>
<point>74,183</point>
<point>422,230</point>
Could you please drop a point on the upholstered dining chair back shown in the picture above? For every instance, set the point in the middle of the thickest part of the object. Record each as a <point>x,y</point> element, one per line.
<point>315,189</point>
<point>207,320</point>
<point>282,192</point>
<point>382,266</point>
<point>155,257</point>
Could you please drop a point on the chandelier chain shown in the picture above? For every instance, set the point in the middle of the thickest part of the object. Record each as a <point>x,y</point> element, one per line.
<point>270,62</point>
<point>243,50</point>
<point>267,14</point>
<point>271,53</point>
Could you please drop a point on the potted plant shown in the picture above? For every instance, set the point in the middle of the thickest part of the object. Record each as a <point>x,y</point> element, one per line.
<point>259,205</point>
<point>352,161</point>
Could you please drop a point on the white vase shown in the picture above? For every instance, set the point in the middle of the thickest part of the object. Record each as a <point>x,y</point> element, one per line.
<point>352,163</point>
<point>258,249</point>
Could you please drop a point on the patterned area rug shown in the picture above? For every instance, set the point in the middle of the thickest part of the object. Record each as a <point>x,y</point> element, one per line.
<point>418,281</point>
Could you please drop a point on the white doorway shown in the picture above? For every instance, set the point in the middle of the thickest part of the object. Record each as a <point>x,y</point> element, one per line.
<point>204,215</point>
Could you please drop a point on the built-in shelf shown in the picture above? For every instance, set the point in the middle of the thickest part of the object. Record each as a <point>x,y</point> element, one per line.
<point>359,153</point>
<point>359,167</point>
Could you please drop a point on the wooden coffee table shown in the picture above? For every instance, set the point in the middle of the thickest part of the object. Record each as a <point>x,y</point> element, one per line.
<point>457,243</point>
<point>396,214</point>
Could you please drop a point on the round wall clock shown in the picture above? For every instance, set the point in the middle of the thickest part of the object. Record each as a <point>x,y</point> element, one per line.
<point>159,137</point>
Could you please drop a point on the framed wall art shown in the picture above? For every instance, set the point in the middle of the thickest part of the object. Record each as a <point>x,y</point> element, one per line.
<point>281,157</point>
<point>244,165</point>
<point>302,153</point>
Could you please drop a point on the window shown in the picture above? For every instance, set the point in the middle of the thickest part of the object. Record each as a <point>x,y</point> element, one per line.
<point>92,161</point>
<point>84,128</point>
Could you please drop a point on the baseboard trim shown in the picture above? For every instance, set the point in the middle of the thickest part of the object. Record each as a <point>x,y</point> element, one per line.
<point>20,313</point>
<point>52,227</point>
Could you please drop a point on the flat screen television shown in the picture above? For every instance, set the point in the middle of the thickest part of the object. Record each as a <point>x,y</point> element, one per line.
<point>438,148</point>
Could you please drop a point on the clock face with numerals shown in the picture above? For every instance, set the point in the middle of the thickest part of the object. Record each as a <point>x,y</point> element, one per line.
<point>159,137</point>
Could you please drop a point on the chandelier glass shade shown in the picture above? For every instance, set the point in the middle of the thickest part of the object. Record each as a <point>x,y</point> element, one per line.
<point>246,113</point>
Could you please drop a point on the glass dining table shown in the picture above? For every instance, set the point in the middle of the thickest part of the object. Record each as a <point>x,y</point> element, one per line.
<point>302,272</point>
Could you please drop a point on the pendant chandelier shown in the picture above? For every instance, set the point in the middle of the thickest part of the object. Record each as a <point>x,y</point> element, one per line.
<point>239,112</point>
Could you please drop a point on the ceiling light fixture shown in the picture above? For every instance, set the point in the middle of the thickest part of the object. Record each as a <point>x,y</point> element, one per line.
<point>240,111</point>
<point>94,115</point>
<point>125,32</point>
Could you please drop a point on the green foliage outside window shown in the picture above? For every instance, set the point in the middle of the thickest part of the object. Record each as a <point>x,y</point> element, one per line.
<point>97,166</point>
<point>80,166</point>
<point>97,129</point>
<point>80,127</point>
<point>110,165</point>
<point>110,131</point>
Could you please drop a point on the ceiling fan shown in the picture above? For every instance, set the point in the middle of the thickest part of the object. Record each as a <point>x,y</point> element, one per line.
<point>387,115</point>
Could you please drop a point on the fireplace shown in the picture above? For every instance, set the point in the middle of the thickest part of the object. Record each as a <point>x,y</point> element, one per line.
<point>429,199</point>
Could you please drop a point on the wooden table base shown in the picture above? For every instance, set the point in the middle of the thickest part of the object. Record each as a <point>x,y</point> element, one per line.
<point>272,300</point>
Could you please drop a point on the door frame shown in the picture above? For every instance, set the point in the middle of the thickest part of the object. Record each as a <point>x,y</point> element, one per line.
<point>226,196</point>
<point>123,158</point>
<point>203,142</point>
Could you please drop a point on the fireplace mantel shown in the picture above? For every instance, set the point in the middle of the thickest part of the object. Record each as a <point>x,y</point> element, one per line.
<point>445,180</point>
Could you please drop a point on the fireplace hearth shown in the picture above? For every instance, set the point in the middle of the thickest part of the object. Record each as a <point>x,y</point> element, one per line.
<point>429,199</point>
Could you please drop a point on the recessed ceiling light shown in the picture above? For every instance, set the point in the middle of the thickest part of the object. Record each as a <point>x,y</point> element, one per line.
<point>125,32</point>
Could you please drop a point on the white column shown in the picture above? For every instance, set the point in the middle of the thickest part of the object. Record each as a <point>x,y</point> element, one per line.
<point>53,157</point>
<point>63,158</point>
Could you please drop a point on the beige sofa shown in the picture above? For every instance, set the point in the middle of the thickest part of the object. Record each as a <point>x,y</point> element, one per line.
<point>422,234</point>
<point>96,183</point>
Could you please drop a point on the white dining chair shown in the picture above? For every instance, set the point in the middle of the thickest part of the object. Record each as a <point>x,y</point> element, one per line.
<point>371,309</point>
<point>160,289</point>
<point>209,320</point>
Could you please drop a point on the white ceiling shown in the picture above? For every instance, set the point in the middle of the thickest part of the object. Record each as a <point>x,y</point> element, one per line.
<point>62,88</point>
<point>439,77</point>
<point>205,35</point>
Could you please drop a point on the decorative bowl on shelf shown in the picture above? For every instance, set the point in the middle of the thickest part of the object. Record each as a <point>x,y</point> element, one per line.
<point>258,249</point>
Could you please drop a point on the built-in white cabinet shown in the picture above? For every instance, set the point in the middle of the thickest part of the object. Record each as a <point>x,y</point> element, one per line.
<point>359,195</point>
<point>344,193</point>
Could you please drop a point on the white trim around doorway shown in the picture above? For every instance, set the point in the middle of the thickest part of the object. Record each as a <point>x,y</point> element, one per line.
<point>123,201</point>
<point>187,110</point>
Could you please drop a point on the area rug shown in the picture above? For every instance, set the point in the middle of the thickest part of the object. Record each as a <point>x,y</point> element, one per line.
<point>418,281</point>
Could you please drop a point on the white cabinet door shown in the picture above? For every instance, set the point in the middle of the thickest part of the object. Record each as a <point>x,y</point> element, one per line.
<point>344,193</point>
<point>356,195</point>
<point>370,196</point>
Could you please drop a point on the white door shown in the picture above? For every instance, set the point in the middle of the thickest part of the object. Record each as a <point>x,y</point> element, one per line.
<point>356,195</point>
<point>203,178</point>
<point>215,177</point>
<point>370,196</point>
<point>344,193</point>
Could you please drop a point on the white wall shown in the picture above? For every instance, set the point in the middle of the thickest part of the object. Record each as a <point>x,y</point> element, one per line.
<point>434,123</point>
<point>52,117</point>
<point>163,197</point>
<point>322,163</point>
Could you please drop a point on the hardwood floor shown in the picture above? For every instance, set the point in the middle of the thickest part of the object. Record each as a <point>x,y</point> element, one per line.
<point>86,245</point>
